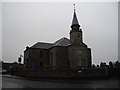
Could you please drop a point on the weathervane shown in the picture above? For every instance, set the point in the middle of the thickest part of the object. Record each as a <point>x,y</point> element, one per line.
<point>74,7</point>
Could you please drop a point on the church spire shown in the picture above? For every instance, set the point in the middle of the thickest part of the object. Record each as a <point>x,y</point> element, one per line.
<point>75,20</point>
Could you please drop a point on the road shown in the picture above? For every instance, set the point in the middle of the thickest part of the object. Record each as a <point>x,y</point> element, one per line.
<point>22,83</point>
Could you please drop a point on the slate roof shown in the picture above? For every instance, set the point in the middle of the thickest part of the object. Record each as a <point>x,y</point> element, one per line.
<point>75,20</point>
<point>42,45</point>
<point>61,42</point>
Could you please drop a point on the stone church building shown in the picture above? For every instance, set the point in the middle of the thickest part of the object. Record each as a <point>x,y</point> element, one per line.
<point>63,54</point>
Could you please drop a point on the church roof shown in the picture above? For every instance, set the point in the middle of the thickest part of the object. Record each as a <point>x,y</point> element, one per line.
<point>61,42</point>
<point>42,45</point>
<point>75,20</point>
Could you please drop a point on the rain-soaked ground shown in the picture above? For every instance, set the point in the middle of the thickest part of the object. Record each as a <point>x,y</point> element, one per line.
<point>12,82</point>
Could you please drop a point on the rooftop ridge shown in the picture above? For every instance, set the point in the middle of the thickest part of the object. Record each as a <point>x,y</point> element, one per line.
<point>62,42</point>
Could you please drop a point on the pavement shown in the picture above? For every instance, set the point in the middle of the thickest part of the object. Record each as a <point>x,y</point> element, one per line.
<point>37,79</point>
<point>15,81</point>
<point>16,77</point>
<point>55,80</point>
<point>11,76</point>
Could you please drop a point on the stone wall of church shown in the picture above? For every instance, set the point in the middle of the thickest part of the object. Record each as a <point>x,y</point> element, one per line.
<point>26,59</point>
<point>80,57</point>
<point>88,58</point>
<point>37,58</point>
<point>75,37</point>
<point>59,59</point>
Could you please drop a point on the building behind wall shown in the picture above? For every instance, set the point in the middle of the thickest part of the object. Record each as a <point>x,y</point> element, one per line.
<point>64,54</point>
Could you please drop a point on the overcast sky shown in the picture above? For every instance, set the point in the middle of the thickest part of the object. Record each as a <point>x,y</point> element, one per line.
<point>0,31</point>
<point>24,24</point>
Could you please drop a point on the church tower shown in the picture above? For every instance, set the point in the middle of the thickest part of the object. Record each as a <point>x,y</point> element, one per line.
<point>78,52</point>
<point>76,32</point>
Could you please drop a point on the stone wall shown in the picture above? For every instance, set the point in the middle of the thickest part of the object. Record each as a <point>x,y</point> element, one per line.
<point>76,37</point>
<point>37,58</point>
<point>80,57</point>
<point>86,73</point>
<point>59,57</point>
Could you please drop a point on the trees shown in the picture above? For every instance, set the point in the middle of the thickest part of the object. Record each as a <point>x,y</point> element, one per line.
<point>93,66</point>
<point>97,66</point>
<point>102,64</point>
<point>110,64</point>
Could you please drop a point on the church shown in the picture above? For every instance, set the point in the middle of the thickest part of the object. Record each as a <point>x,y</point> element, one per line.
<point>64,54</point>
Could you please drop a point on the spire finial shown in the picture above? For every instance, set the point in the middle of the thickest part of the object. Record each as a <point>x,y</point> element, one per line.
<point>75,21</point>
<point>74,7</point>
